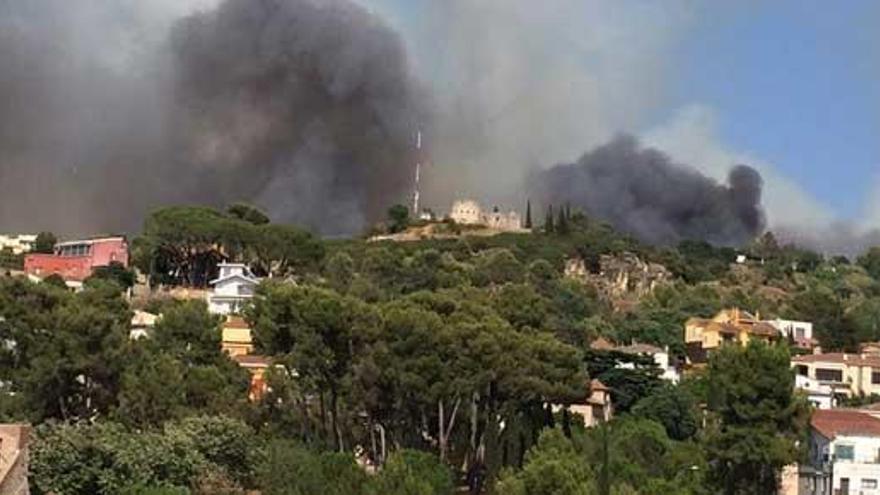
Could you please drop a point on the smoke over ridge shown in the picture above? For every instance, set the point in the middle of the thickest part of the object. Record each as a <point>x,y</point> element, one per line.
<point>642,192</point>
<point>307,108</point>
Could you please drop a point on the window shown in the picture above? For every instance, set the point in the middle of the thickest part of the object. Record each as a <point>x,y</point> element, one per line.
<point>828,375</point>
<point>869,484</point>
<point>801,370</point>
<point>875,377</point>
<point>800,333</point>
<point>844,452</point>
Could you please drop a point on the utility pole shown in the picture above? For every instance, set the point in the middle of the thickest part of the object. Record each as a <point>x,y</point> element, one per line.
<point>416,191</point>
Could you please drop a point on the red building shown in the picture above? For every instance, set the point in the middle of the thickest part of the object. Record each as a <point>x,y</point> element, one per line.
<point>75,260</point>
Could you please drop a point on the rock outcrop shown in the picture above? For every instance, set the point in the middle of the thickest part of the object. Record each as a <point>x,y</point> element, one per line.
<point>623,277</point>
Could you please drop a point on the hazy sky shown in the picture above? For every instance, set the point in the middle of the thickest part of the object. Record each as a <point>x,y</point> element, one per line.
<point>787,85</point>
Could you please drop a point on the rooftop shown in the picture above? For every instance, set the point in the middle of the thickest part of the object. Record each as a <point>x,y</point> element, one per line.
<point>255,361</point>
<point>90,241</point>
<point>831,423</point>
<point>840,358</point>
<point>640,349</point>
<point>235,322</point>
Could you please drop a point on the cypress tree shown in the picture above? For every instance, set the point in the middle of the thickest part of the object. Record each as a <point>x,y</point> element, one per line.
<point>528,214</point>
<point>562,223</point>
<point>548,222</point>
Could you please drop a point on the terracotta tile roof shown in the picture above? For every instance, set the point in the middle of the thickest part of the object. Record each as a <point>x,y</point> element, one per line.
<point>840,358</point>
<point>235,322</point>
<point>601,344</point>
<point>640,349</point>
<point>764,329</point>
<point>728,328</point>
<point>251,360</point>
<point>833,422</point>
<point>597,385</point>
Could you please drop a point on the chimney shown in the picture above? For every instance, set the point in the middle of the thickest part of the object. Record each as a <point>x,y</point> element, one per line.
<point>845,356</point>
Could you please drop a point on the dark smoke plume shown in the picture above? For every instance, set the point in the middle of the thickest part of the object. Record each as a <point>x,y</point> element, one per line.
<point>306,108</point>
<point>642,192</point>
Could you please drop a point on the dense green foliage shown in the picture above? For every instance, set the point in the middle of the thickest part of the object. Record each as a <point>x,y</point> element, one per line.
<point>438,364</point>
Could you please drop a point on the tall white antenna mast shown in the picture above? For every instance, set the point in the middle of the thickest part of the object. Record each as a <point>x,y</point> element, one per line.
<point>418,173</point>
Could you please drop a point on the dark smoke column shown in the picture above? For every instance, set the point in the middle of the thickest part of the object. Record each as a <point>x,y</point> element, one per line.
<point>642,192</point>
<point>305,107</point>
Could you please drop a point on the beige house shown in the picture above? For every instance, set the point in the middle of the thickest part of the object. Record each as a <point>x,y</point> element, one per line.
<point>842,373</point>
<point>596,409</point>
<point>730,326</point>
<point>236,338</point>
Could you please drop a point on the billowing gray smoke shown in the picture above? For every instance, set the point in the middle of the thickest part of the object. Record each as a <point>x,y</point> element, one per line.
<point>304,107</point>
<point>642,192</point>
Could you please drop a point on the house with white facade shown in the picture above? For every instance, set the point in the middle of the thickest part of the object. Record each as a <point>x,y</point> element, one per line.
<point>661,357</point>
<point>232,289</point>
<point>845,453</point>
<point>798,332</point>
<point>18,243</point>
<point>142,324</point>
<point>819,395</point>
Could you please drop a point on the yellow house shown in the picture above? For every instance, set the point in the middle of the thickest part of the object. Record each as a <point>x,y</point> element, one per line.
<point>730,326</point>
<point>236,339</point>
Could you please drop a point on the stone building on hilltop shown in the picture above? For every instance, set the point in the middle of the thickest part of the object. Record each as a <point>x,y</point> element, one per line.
<point>470,212</point>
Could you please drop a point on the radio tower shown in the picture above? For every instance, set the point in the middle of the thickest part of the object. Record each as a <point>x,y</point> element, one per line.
<point>418,171</point>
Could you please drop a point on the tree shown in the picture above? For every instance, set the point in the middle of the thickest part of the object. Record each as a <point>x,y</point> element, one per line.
<point>562,223</point>
<point>189,332</point>
<point>106,459</point>
<point>340,271</point>
<point>410,472</point>
<point>221,441</point>
<point>673,408</point>
<point>627,384</point>
<point>552,466</point>
<point>70,368</point>
<point>759,419</point>
<point>248,213</point>
<point>151,390</point>
<point>45,243</point>
<point>497,267</point>
<point>115,272</point>
<point>864,321</point>
<point>398,218</point>
<point>281,249</point>
<point>318,332</point>
<point>822,307</point>
<point>870,261</point>
<point>290,469</point>
<point>548,221</point>
<point>191,336</point>
<point>528,223</point>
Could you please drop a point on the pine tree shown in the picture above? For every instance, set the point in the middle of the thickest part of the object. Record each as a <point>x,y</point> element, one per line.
<point>548,222</point>
<point>528,214</point>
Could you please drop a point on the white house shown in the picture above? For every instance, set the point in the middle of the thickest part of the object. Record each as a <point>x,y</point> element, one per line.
<point>232,290</point>
<point>800,332</point>
<point>142,324</point>
<point>845,452</point>
<point>820,395</point>
<point>18,243</point>
<point>660,356</point>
